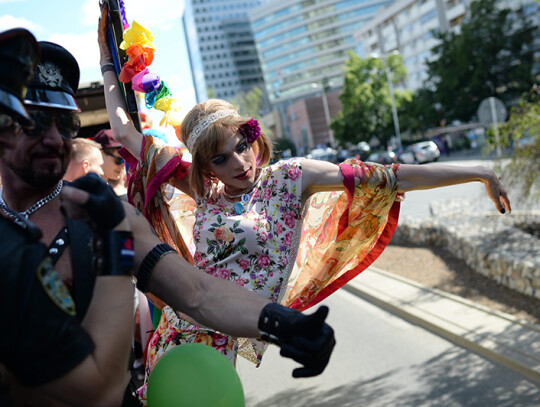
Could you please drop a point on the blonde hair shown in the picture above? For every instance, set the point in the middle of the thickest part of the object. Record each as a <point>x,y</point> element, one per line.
<point>82,148</point>
<point>212,140</point>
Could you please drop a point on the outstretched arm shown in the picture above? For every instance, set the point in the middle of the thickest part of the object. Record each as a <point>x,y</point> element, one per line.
<point>227,307</point>
<point>417,177</point>
<point>211,301</point>
<point>324,176</point>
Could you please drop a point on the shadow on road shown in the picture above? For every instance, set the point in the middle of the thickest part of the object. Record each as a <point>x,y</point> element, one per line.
<point>445,380</point>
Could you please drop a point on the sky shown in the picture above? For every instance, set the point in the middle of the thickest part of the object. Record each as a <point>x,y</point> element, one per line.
<point>73,24</point>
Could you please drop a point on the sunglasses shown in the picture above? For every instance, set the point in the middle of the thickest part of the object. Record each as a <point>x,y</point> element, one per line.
<point>68,123</point>
<point>117,160</point>
<point>7,122</point>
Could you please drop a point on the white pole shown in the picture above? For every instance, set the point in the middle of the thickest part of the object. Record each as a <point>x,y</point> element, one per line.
<point>394,110</point>
<point>495,124</point>
<point>327,117</point>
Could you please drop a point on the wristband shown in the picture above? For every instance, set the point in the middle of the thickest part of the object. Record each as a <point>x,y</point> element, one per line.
<point>107,66</point>
<point>115,254</point>
<point>148,264</point>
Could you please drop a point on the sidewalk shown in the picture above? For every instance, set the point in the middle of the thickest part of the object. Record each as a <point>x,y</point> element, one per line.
<point>492,334</point>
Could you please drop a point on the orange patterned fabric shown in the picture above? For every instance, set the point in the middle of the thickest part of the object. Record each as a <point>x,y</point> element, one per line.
<point>344,232</point>
<point>147,178</point>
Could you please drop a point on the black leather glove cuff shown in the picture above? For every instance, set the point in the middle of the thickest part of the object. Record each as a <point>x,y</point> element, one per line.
<point>272,320</point>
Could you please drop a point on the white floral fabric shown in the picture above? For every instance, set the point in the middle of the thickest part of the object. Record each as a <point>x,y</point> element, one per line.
<point>252,248</point>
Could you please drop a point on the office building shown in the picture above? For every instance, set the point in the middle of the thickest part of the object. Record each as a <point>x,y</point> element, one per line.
<point>302,42</point>
<point>407,26</point>
<point>303,46</point>
<point>222,52</point>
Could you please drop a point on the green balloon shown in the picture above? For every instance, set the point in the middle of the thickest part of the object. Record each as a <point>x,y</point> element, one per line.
<point>194,375</point>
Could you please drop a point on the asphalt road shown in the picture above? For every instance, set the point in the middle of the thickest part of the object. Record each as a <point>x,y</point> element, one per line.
<point>381,360</point>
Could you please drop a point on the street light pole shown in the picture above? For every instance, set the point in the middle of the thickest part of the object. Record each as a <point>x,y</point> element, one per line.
<point>326,112</point>
<point>397,132</point>
<point>394,109</point>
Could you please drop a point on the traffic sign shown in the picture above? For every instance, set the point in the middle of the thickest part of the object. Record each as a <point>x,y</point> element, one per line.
<point>491,111</point>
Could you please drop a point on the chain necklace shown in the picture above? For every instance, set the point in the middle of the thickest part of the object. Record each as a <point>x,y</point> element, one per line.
<point>245,196</point>
<point>14,215</point>
<point>245,191</point>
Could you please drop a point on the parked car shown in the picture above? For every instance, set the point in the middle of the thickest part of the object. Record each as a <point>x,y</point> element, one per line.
<point>425,151</point>
<point>383,157</point>
<point>323,154</point>
<point>406,156</point>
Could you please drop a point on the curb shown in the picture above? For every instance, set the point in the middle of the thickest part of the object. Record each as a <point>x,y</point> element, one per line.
<point>497,336</point>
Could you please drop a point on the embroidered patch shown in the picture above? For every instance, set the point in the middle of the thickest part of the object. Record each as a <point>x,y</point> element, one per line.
<point>54,287</point>
<point>49,74</point>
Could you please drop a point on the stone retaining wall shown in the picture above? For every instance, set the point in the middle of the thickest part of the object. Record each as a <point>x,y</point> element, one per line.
<point>490,243</point>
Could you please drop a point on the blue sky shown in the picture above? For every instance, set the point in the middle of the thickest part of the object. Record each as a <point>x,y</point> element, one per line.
<point>73,24</point>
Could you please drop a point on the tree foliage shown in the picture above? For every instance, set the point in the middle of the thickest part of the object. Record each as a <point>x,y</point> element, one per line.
<point>249,103</point>
<point>366,104</point>
<point>421,112</point>
<point>522,131</point>
<point>488,56</point>
<point>283,144</point>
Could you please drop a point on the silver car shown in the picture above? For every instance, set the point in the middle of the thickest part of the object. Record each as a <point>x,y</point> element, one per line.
<point>425,151</point>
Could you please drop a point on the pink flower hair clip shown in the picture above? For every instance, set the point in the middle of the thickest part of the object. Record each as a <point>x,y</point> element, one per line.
<point>251,130</point>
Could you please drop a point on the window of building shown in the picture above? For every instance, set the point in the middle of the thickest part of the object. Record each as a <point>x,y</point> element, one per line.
<point>428,16</point>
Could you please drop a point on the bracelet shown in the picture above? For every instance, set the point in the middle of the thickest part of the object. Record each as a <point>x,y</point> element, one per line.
<point>107,66</point>
<point>148,264</point>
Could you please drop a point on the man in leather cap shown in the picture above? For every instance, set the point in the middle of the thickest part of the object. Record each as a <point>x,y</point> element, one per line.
<point>43,343</point>
<point>32,171</point>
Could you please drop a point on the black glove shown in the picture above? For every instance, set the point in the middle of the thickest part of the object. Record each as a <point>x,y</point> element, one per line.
<point>103,207</point>
<point>305,338</point>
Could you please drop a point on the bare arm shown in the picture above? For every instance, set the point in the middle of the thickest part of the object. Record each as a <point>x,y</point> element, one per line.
<point>417,177</point>
<point>324,176</point>
<point>214,302</point>
<point>318,176</point>
<point>100,380</point>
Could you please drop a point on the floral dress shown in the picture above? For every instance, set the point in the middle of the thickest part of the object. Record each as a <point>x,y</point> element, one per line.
<point>252,248</point>
<point>288,253</point>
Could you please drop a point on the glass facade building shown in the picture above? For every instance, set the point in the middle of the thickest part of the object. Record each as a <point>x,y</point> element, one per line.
<point>302,43</point>
<point>407,26</point>
<point>221,48</point>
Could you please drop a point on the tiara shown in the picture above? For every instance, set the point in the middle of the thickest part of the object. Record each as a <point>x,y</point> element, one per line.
<point>205,123</point>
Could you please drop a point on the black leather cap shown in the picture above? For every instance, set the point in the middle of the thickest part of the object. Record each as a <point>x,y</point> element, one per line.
<point>56,79</point>
<point>19,55</point>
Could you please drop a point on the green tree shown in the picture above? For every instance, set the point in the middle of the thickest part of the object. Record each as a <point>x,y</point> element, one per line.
<point>488,56</point>
<point>210,92</point>
<point>366,104</point>
<point>420,112</point>
<point>283,144</point>
<point>249,103</point>
<point>522,131</point>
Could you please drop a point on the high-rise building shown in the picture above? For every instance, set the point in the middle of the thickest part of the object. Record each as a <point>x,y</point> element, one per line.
<point>221,48</point>
<point>306,42</point>
<point>303,46</point>
<point>407,27</point>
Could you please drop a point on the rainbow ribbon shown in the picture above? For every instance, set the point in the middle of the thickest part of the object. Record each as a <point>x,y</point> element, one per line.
<point>139,47</point>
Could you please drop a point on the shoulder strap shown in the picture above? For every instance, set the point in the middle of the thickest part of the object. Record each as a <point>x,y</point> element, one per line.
<point>58,244</point>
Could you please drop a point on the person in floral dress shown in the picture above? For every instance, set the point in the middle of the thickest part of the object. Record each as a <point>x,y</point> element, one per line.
<point>294,232</point>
